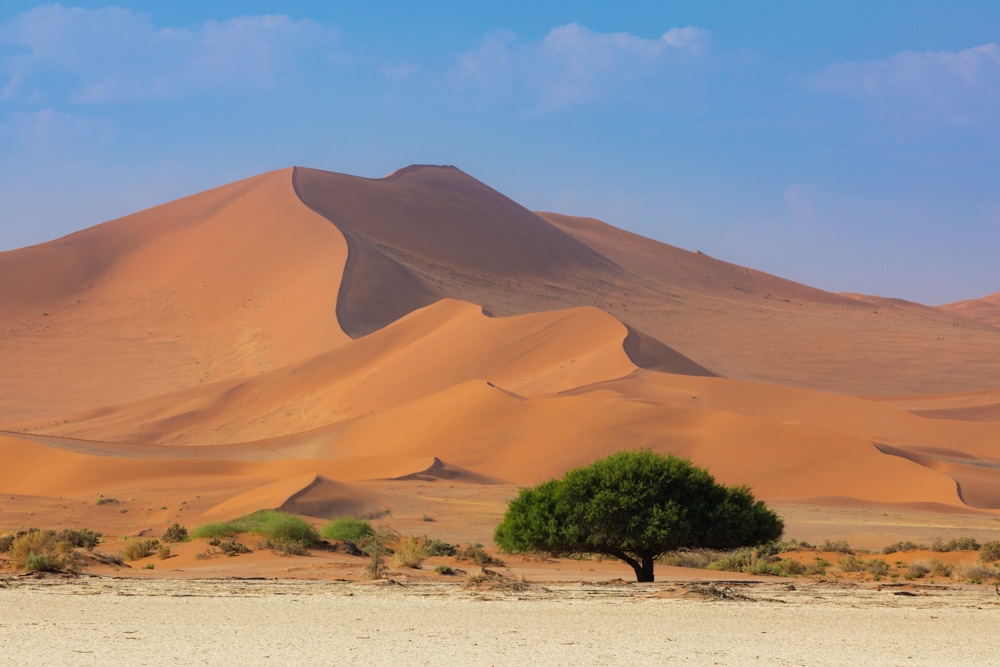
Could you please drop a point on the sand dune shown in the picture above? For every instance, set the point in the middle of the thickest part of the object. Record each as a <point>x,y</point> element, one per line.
<point>986,309</point>
<point>274,342</point>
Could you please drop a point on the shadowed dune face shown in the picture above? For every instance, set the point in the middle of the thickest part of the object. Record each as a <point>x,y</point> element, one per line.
<point>268,342</point>
<point>425,233</point>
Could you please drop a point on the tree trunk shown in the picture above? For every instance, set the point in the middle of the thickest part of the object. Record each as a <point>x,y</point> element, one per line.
<point>643,569</point>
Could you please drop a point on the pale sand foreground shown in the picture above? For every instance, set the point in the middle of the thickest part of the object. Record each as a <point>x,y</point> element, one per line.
<point>100,621</point>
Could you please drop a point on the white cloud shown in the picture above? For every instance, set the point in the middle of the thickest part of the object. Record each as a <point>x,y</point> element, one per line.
<point>574,65</point>
<point>956,87</point>
<point>116,54</point>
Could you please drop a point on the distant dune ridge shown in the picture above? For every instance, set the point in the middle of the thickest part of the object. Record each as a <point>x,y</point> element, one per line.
<point>278,338</point>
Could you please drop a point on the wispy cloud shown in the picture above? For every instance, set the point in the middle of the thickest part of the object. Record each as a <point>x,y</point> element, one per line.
<point>574,65</point>
<point>115,54</point>
<point>954,87</point>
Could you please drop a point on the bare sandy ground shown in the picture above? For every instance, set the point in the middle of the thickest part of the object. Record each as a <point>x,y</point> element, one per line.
<point>100,621</point>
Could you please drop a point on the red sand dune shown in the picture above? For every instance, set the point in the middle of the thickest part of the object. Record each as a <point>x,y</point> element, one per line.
<point>264,343</point>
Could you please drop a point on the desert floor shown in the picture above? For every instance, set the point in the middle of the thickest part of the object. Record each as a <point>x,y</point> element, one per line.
<point>101,621</point>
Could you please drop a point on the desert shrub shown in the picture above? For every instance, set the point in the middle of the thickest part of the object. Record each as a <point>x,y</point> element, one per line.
<point>989,552</point>
<point>410,552</point>
<point>39,563</point>
<point>851,563</point>
<point>218,529</point>
<point>445,569</point>
<point>293,548</point>
<point>81,539</point>
<point>38,550</point>
<point>835,546</point>
<point>761,559</point>
<point>975,573</point>
<point>346,528</point>
<point>495,581</point>
<point>275,527</point>
<point>477,555</point>
<point>435,547</point>
<point>229,546</point>
<point>877,567</point>
<point>377,547</point>
<point>940,568</point>
<point>817,567</point>
<point>163,552</point>
<point>695,559</point>
<point>427,518</point>
<point>957,544</point>
<point>139,549</point>
<point>104,500</point>
<point>897,547</point>
<point>175,533</point>
<point>5,542</point>
<point>916,570</point>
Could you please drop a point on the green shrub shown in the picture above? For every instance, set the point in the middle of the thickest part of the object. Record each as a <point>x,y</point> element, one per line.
<point>175,533</point>
<point>347,528</point>
<point>377,547</point>
<point>989,552</point>
<point>38,563</point>
<point>275,527</point>
<point>877,567</point>
<point>444,569</point>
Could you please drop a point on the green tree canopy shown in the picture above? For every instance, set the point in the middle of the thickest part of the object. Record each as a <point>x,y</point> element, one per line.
<point>636,506</point>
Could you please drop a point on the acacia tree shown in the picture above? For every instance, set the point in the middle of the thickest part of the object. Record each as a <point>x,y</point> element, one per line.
<point>636,506</point>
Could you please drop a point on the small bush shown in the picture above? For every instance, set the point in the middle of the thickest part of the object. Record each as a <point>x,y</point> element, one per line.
<point>6,541</point>
<point>80,539</point>
<point>438,548</point>
<point>975,573</point>
<point>38,563</point>
<point>916,570</point>
<point>476,554</point>
<point>491,580</point>
<point>347,528</point>
<point>695,559</point>
<point>851,564</point>
<point>103,500</point>
<point>445,570</point>
<point>940,568</point>
<point>377,547</point>
<point>175,533</point>
<point>877,567</point>
<point>285,548</point>
<point>229,546</point>
<point>837,546</point>
<point>36,547</point>
<point>163,553</point>
<point>903,546</point>
<point>957,544</point>
<point>139,549</point>
<point>275,527</point>
<point>410,552</point>
<point>428,518</point>
<point>989,552</point>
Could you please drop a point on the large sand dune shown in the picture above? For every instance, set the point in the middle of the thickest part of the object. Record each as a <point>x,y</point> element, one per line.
<point>271,342</point>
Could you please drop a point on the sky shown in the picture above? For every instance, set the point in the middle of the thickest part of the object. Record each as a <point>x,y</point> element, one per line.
<point>852,145</point>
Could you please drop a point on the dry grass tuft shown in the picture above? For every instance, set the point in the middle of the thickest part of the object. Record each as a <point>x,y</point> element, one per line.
<point>410,552</point>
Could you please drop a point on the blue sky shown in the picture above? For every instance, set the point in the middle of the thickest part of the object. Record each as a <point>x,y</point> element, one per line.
<point>854,146</point>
